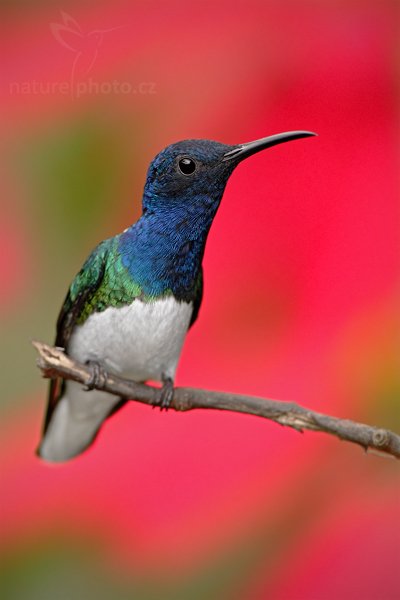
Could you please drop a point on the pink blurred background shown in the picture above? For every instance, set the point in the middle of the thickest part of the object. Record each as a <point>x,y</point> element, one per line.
<point>301,297</point>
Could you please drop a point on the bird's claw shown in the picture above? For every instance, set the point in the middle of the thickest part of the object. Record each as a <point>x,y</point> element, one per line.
<point>166,394</point>
<point>97,377</point>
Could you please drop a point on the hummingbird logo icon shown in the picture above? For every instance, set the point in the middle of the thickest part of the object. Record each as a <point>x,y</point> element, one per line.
<point>84,45</point>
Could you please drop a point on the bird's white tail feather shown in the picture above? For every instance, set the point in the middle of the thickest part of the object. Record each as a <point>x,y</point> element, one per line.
<point>75,422</point>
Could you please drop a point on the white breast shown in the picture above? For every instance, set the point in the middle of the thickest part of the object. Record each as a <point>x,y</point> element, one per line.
<point>142,341</point>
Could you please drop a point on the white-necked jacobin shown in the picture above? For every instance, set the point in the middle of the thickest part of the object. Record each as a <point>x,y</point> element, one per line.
<point>130,306</point>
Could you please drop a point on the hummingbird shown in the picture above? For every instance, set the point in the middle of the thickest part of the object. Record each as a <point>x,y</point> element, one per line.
<point>131,305</point>
<point>84,45</point>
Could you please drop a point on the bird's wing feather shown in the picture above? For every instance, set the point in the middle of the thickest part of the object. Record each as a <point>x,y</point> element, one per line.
<point>197,298</point>
<point>82,289</point>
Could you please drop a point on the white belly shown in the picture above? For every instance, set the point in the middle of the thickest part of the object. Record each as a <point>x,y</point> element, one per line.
<point>142,341</point>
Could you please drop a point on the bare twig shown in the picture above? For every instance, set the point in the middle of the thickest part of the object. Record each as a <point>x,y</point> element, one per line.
<point>53,362</point>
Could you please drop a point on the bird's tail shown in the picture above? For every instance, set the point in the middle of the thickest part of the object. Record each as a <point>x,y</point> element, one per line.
<point>75,422</point>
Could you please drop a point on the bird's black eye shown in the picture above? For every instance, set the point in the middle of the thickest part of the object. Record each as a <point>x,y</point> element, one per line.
<point>187,166</point>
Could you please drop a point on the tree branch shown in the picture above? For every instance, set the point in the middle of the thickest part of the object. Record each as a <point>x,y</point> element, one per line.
<point>53,362</point>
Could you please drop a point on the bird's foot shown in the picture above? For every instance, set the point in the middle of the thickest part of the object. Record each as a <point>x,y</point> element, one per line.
<point>97,377</point>
<point>166,393</point>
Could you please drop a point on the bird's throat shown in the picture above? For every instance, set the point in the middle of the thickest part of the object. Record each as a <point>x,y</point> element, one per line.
<point>165,255</point>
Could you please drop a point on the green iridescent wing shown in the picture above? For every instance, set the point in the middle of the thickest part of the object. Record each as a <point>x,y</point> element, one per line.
<point>81,291</point>
<point>102,282</point>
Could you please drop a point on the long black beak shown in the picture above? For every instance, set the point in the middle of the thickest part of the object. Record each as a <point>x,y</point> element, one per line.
<point>245,150</point>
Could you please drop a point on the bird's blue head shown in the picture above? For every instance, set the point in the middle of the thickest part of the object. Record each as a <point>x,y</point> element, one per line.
<point>188,178</point>
<point>184,186</point>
